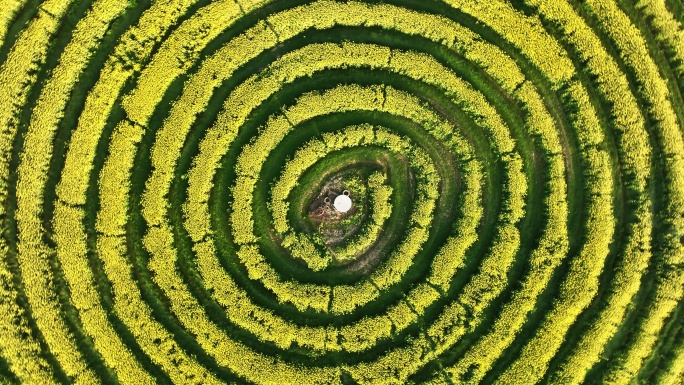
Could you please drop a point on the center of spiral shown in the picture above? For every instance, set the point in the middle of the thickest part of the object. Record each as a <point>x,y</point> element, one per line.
<point>338,210</point>
<point>342,202</point>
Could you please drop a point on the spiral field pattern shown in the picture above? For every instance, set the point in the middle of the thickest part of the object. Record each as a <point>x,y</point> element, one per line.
<point>515,172</point>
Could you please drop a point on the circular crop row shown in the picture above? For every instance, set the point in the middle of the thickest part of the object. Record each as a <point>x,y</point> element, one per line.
<point>341,192</point>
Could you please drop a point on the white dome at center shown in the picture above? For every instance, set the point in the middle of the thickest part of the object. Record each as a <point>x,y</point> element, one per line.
<point>342,203</point>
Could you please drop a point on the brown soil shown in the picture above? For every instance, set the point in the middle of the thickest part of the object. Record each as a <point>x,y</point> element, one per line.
<point>322,211</point>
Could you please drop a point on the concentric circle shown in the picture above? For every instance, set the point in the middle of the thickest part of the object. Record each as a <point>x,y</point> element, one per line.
<point>342,192</point>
